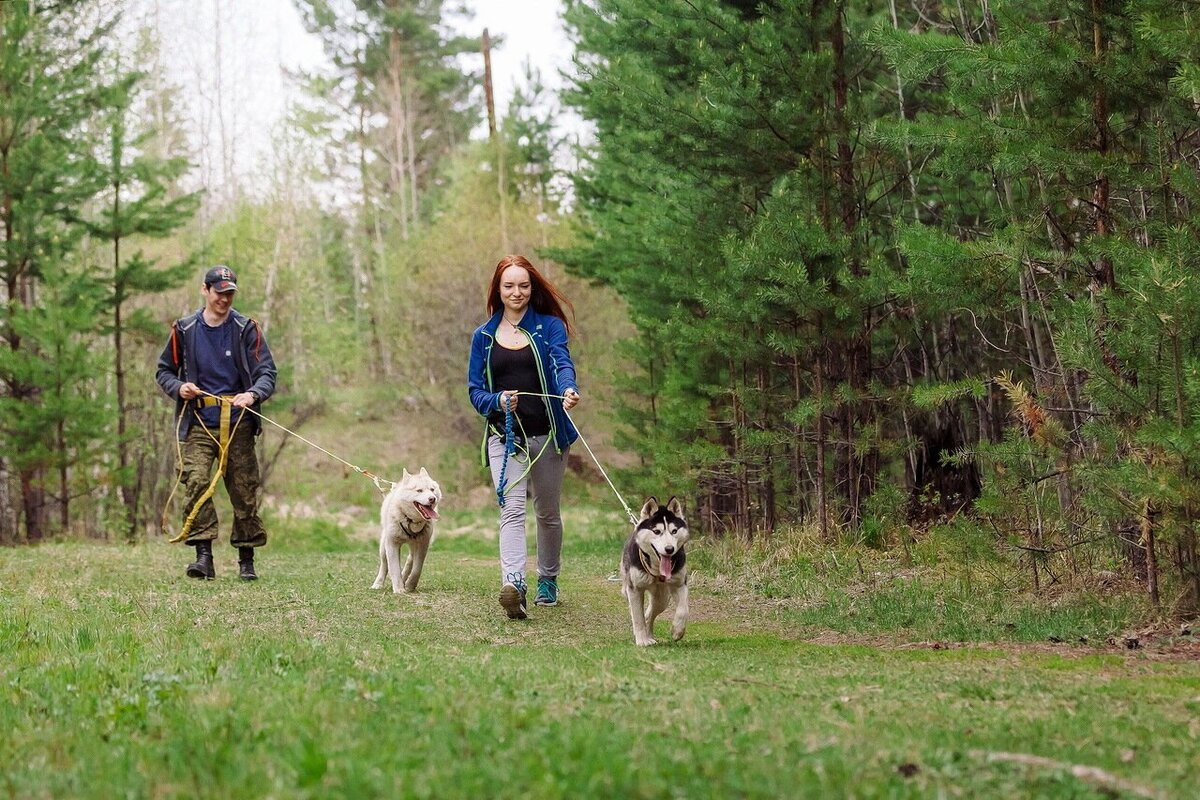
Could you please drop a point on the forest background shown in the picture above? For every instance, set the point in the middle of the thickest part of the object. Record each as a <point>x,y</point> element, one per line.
<point>891,271</point>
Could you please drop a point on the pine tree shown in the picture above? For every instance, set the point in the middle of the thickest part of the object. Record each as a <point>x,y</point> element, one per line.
<point>141,201</point>
<point>48,76</point>
<point>1075,248</point>
<point>724,197</point>
<point>529,128</point>
<point>67,431</point>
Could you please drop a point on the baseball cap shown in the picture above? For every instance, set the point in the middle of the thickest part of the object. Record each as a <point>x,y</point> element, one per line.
<point>221,279</point>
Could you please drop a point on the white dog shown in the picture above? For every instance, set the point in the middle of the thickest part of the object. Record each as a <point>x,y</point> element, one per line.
<point>653,562</point>
<point>407,517</point>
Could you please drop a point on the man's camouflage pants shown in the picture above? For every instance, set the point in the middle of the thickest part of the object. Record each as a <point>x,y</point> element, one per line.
<point>200,454</point>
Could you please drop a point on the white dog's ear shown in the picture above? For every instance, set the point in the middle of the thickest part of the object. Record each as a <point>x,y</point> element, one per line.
<point>404,478</point>
<point>649,508</point>
<point>424,474</point>
<point>674,506</point>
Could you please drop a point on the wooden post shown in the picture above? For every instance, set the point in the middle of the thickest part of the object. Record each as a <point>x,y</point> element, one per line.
<point>487,84</point>
<point>496,140</point>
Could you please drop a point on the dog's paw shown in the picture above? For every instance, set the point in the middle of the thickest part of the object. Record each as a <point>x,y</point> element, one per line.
<point>678,633</point>
<point>377,585</point>
<point>649,640</point>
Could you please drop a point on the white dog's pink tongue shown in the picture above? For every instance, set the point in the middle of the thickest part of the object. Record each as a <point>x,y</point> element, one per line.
<point>664,567</point>
<point>428,512</point>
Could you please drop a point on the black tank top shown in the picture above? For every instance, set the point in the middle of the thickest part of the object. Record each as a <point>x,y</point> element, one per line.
<point>517,369</point>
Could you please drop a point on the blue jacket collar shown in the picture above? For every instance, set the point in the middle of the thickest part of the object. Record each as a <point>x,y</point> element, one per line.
<point>234,314</point>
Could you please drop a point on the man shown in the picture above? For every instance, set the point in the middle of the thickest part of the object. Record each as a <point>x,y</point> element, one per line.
<point>215,364</point>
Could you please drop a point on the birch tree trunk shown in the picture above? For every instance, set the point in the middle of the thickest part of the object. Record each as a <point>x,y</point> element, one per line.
<point>908,162</point>
<point>364,268</point>
<point>398,157</point>
<point>822,470</point>
<point>129,494</point>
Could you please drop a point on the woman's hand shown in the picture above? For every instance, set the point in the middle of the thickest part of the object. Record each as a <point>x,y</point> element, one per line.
<point>571,399</point>
<point>508,400</point>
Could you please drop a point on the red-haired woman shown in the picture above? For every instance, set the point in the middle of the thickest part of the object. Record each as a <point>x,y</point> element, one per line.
<point>520,362</point>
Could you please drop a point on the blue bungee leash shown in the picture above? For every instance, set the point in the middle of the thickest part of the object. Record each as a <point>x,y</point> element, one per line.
<point>510,447</point>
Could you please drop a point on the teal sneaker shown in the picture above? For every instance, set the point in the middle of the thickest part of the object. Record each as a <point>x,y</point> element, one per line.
<point>512,598</point>
<point>547,593</point>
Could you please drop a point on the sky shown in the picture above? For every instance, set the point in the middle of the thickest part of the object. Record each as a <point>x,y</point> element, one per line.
<point>255,41</point>
<point>536,33</point>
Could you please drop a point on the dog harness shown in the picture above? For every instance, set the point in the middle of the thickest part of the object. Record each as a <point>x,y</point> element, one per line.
<point>415,534</point>
<point>657,573</point>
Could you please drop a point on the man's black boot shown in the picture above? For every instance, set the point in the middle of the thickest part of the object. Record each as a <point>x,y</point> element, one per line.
<point>202,567</point>
<point>246,564</point>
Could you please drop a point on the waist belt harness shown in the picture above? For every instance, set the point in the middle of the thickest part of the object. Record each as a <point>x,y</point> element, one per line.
<point>224,435</point>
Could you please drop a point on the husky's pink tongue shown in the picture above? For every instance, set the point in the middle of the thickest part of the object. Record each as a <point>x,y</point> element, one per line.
<point>429,512</point>
<point>665,564</point>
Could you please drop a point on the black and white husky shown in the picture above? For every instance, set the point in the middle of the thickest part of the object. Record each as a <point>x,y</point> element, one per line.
<point>654,562</point>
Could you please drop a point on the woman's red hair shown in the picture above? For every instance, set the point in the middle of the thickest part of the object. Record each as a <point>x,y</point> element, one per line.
<point>544,296</point>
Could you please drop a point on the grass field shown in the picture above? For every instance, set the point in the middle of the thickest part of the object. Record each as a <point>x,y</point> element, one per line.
<point>121,678</point>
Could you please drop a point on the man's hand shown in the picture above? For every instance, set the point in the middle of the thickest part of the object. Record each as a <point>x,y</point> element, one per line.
<point>243,400</point>
<point>189,391</point>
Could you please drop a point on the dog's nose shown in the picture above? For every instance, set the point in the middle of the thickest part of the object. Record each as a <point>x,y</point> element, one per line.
<point>669,549</point>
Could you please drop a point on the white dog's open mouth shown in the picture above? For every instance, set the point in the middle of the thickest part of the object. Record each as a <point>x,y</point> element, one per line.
<point>427,511</point>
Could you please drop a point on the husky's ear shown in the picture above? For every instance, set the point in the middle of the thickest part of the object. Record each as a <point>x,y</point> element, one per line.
<point>675,507</point>
<point>424,474</point>
<point>404,478</point>
<point>649,509</point>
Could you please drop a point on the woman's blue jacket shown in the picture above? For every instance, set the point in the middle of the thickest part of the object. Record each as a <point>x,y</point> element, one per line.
<point>548,335</point>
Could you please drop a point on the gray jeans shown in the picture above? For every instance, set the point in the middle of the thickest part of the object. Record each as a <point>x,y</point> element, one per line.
<point>545,481</point>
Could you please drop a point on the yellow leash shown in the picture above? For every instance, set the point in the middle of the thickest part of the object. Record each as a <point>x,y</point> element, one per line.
<point>382,484</point>
<point>162,523</point>
<point>226,436</point>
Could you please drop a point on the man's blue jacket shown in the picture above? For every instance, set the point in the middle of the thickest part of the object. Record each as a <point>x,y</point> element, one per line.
<point>255,365</point>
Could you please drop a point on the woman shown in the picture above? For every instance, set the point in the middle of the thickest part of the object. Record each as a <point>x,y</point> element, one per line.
<point>520,362</point>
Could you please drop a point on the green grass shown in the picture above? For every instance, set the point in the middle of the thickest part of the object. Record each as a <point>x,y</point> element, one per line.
<point>858,590</point>
<point>121,678</point>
